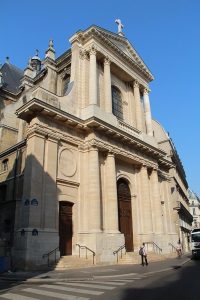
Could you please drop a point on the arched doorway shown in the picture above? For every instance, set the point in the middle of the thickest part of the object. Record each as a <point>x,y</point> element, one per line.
<point>65,227</point>
<point>125,212</point>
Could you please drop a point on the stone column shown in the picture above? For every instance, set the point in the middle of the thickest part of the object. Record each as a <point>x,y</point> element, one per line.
<point>138,107</point>
<point>94,212</point>
<point>111,211</point>
<point>147,110</point>
<point>83,56</point>
<point>107,86</point>
<point>146,203</point>
<point>156,201</point>
<point>93,77</point>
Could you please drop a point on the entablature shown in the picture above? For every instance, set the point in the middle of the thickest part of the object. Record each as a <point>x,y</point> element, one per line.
<point>129,136</point>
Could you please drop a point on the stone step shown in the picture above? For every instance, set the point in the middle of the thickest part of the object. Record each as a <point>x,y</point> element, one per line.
<point>73,262</point>
<point>134,257</point>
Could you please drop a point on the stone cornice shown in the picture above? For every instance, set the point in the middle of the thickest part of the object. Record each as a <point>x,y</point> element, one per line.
<point>118,151</point>
<point>8,127</point>
<point>36,107</point>
<point>50,133</point>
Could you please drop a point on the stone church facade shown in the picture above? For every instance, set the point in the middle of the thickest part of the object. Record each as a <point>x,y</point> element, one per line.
<point>82,160</point>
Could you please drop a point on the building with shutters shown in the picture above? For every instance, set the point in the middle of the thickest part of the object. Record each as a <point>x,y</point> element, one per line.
<point>82,160</point>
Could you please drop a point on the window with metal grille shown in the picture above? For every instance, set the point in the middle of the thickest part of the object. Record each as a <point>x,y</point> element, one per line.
<point>117,107</point>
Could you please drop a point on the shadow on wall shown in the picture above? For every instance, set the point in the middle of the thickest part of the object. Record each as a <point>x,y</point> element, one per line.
<point>30,201</point>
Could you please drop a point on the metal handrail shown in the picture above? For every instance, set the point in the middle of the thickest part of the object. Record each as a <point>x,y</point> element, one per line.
<point>155,246</point>
<point>173,247</point>
<point>119,249</point>
<point>87,249</point>
<point>50,253</point>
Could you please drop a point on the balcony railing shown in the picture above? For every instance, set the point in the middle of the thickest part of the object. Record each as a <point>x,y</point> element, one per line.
<point>128,128</point>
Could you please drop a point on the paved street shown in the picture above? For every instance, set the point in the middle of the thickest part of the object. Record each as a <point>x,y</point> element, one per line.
<point>159,281</point>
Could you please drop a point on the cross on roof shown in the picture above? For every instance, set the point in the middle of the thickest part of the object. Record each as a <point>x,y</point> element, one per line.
<point>120,26</point>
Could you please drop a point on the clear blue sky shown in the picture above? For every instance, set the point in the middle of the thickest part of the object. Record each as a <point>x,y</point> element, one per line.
<point>166,34</point>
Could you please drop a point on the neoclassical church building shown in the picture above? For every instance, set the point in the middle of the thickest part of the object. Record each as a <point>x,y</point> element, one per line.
<point>82,160</point>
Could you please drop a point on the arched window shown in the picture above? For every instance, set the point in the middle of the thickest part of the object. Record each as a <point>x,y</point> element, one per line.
<point>117,107</point>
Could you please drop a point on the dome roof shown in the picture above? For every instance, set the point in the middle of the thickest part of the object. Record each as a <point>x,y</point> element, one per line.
<point>36,57</point>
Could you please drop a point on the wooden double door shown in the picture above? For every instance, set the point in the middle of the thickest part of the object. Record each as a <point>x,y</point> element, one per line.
<point>65,227</point>
<point>125,213</point>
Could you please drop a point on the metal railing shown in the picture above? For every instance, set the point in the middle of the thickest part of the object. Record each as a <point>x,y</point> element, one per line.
<point>155,247</point>
<point>86,251</point>
<point>173,247</point>
<point>53,252</point>
<point>119,250</point>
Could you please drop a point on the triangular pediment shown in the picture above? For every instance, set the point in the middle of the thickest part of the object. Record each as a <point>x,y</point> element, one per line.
<point>126,47</point>
<point>119,43</point>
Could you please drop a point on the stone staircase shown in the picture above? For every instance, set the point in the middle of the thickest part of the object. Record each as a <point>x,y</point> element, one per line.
<point>76,262</point>
<point>73,262</point>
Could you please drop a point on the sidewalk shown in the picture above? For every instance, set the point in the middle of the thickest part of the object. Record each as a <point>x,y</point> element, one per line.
<point>91,273</point>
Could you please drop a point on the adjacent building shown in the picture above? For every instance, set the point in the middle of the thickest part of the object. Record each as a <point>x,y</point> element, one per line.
<point>82,160</point>
<point>194,208</point>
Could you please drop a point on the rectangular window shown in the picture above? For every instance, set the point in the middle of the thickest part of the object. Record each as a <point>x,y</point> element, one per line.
<point>4,165</point>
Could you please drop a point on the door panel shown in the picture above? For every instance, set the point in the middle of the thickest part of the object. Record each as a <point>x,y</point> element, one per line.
<point>65,228</point>
<point>125,213</point>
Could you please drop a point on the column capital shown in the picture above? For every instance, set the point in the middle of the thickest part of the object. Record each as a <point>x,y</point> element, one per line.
<point>93,148</point>
<point>83,54</point>
<point>107,61</point>
<point>146,91</point>
<point>111,153</point>
<point>92,50</point>
<point>136,84</point>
